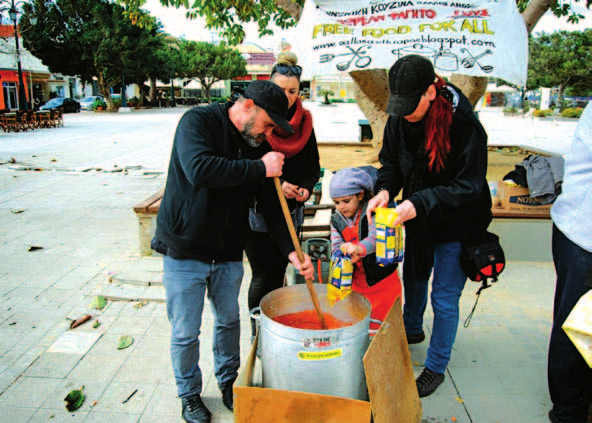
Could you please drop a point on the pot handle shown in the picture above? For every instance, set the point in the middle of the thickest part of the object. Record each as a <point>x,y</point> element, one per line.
<point>255,313</point>
<point>373,332</point>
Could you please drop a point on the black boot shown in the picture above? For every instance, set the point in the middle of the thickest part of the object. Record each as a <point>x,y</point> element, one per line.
<point>227,394</point>
<point>195,411</point>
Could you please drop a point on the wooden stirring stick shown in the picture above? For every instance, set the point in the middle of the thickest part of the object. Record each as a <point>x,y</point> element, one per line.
<point>299,253</point>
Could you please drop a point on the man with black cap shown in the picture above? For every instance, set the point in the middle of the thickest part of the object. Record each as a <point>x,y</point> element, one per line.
<point>435,150</point>
<point>202,228</point>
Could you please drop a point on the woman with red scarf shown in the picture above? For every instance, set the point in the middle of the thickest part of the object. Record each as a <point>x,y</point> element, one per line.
<point>300,173</point>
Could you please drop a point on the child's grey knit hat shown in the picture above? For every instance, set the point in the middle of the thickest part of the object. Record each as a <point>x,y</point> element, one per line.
<point>350,181</point>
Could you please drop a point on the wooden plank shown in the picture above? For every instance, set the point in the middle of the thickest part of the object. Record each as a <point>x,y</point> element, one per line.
<point>263,405</point>
<point>389,373</point>
<point>501,213</point>
<point>144,205</point>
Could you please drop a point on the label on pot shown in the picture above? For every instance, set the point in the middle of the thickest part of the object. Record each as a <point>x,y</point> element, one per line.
<point>320,355</point>
<point>321,342</point>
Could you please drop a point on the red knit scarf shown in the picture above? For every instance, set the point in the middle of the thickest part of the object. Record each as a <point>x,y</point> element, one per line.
<point>291,145</point>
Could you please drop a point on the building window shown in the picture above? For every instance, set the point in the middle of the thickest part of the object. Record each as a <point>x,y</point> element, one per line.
<point>10,96</point>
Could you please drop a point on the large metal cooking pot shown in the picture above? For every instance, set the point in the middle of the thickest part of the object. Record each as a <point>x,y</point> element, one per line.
<point>317,361</point>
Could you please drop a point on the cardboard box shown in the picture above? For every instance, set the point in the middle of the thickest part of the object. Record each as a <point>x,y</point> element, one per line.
<point>518,199</point>
<point>389,376</point>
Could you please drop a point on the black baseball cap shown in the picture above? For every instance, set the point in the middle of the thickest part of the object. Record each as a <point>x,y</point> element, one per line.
<point>409,78</point>
<point>272,99</point>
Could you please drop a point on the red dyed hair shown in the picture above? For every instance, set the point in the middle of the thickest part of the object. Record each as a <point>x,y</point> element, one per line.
<point>437,129</point>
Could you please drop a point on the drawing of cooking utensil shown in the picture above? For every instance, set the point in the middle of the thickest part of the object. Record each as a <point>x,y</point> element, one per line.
<point>324,58</point>
<point>359,55</point>
<point>469,62</point>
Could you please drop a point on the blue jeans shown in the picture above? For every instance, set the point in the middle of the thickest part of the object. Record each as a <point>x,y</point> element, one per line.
<point>447,285</point>
<point>569,377</point>
<point>185,283</point>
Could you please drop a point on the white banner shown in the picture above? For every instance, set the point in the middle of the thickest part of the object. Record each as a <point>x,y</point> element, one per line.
<point>476,37</point>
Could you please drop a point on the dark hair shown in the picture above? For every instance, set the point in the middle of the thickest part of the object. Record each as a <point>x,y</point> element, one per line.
<point>437,129</point>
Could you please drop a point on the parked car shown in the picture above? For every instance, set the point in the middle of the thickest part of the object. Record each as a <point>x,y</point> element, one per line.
<point>87,102</point>
<point>69,105</point>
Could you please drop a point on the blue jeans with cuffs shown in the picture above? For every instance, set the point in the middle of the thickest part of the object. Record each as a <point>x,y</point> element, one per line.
<point>447,285</point>
<point>186,283</point>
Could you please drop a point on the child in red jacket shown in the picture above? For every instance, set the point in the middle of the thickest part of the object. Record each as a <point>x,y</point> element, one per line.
<point>350,189</point>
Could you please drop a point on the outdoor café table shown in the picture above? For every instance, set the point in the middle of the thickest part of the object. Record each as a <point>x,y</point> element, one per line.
<point>10,122</point>
<point>43,118</point>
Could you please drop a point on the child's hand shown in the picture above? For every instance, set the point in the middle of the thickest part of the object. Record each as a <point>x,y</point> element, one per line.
<point>355,251</point>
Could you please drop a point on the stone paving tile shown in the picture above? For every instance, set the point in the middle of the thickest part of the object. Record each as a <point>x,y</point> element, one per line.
<point>152,344</point>
<point>96,366</point>
<point>29,392</point>
<point>15,414</point>
<point>146,418</point>
<point>53,365</point>
<point>111,400</point>
<point>99,416</point>
<point>165,401</point>
<point>160,326</point>
<point>128,325</point>
<point>107,345</point>
<point>143,368</point>
<point>93,389</point>
<point>44,415</point>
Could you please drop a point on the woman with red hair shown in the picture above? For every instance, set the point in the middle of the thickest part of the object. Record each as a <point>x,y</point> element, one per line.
<point>435,150</point>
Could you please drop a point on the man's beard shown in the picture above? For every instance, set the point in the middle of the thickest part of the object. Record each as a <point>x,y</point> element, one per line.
<point>247,133</point>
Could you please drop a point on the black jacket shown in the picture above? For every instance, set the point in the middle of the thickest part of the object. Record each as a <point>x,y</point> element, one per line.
<point>213,175</point>
<point>302,169</point>
<point>455,202</point>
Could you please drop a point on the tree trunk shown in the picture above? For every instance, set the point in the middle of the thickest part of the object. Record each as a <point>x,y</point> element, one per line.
<point>534,12</point>
<point>206,88</point>
<point>152,89</point>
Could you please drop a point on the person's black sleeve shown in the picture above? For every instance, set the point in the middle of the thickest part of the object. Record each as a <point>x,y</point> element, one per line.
<point>313,168</point>
<point>202,159</point>
<point>390,177</point>
<point>470,174</point>
<point>269,203</point>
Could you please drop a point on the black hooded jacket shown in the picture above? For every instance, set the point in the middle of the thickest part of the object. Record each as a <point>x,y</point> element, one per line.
<point>451,204</point>
<point>212,178</point>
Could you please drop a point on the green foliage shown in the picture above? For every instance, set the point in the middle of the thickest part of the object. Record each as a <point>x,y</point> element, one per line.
<point>562,59</point>
<point>327,94</point>
<point>210,63</point>
<point>572,112</point>
<point>88,38</point>
<point>134,102</point>
<point>98,103</point>
<point>510,109</point>
<point>74,399</point>
<point>542,113</point>
<point>229,16</point>
<point>560,8</point>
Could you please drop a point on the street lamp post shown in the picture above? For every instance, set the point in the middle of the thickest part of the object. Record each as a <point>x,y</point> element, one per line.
<point>13,13</point>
